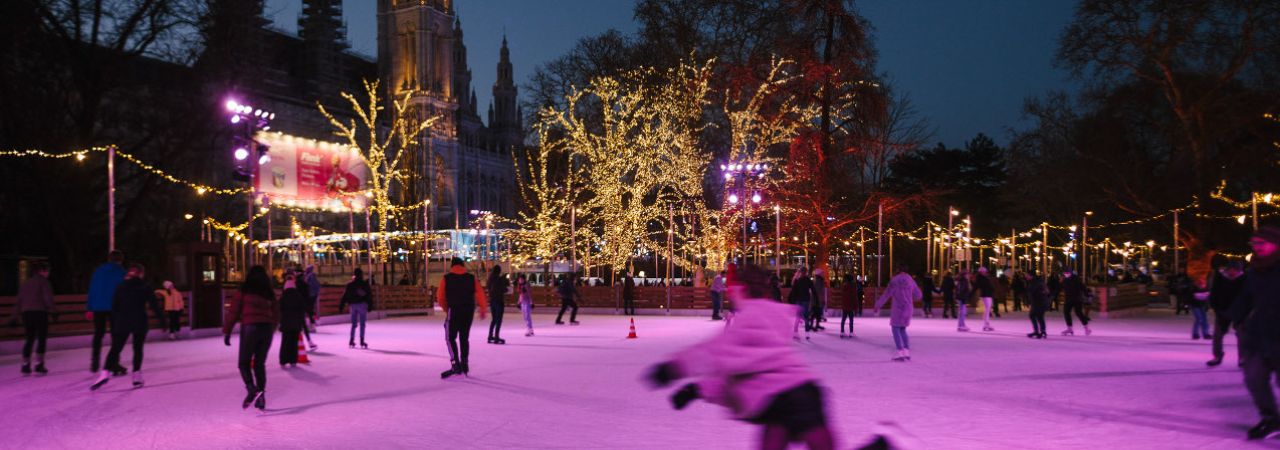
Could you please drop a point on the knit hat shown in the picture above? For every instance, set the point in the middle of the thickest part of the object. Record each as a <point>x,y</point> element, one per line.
<point>168,284</point>
<point>457,262</point>
<point>1268,233</point>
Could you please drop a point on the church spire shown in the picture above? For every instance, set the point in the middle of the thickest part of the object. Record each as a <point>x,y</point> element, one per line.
<point>504,92</point>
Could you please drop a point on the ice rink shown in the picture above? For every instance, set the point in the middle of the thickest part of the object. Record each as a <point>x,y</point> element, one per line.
<point>1137,383</point>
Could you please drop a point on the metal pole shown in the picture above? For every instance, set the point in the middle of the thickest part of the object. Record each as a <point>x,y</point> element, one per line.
<point>1175,242</point>
<point>111,198</point>
<point>270,258</point>
<point>671,219</point>
<point>1013,249</point>
<point>1044,249</point>
<point>1084,249</point>
<point>879,241</point>
<point>949,253</point>
<point>426,246</point>
<point>573,239</point>
<point>368,241</point>
<point>968,238</point>
<point>928,249</point>
<point>1254,201</point>
<point>862,255</point>
<point>777,251</point>
<point>891,266</point>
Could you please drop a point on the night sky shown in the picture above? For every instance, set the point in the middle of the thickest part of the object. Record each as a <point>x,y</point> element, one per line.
<point>967,65</point>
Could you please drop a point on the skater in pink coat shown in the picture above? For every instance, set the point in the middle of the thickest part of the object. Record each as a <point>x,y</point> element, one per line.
<point>754,370</point>
<point>904,292</point>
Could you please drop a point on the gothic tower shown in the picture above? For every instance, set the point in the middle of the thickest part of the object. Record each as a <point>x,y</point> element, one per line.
<point>504,114</point>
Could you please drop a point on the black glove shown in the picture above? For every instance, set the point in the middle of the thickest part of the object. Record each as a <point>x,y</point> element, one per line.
<point>226,339</point>
<point>686,394</point>
<point>663,374</point>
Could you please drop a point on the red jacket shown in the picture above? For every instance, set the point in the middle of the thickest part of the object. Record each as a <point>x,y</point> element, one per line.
<point>250,309</point>
<point>481,300</point>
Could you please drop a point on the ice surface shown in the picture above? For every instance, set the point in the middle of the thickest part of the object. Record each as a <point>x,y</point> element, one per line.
<point>1136,383</point>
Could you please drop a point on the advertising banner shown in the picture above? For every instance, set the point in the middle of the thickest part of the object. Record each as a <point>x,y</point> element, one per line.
<point>311,174</point>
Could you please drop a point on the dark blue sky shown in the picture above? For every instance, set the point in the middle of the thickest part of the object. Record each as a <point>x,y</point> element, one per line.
<point>966,64</point>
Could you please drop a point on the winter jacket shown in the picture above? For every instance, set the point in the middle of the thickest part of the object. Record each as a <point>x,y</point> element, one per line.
<point>904,292</point>
<point>927,288</point>
<point>172,299</point>
<point>459,289</point>
<point>629,288</point>
<point>498,291</point>
<point>293,310</point>
<point>983,284</point>
<point>1224,291</point>
<point>1019,285</point>
<point>1038,295</point>
<point>964,293</point>
<point>948,288</point>
<point>36,294</point>
<point>313,284</point>
<point>524,293</point>
<point>718,285</point>
<point>751,362</point>
<point>819,289</point>
<point>1073,289</point>
<point>848,294</point>
<point>1257,311</point>
<point>129,306</point>
<point>102,286</point>
<point>566,290</point>
<point>357,292</point>
<point>1055,286</point>
<point>801,291</point>
<point>250,308</point>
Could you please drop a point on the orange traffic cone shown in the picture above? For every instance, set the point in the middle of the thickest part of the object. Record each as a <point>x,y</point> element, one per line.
<point>632,335</point>
<point>302,351</point>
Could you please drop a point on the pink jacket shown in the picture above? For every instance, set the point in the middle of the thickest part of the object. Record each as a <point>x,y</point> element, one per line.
<point>903,291</point>
<point>749,364</point>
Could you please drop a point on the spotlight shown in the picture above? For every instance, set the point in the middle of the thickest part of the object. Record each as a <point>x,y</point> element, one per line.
<point>235,119</point>
<point>733,199</point>
<point>241,154</point>
<point>232,106</point>
<point>755,198</point>
<point>265,158</point>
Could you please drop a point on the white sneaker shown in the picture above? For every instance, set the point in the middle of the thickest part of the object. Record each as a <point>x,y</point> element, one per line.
<point>137,379</point>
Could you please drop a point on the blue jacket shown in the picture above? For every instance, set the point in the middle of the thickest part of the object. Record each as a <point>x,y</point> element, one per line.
<point>102,287</point>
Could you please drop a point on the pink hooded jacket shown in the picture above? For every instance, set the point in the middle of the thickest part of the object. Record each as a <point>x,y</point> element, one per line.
<point>749,364</point>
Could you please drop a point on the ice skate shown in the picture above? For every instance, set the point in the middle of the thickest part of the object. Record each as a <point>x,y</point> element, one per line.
<point>1068,332</point>
<point>1042,336</point>
<point>528,333</point>
<point>499,341</point>
<point>364,346</point>
<point>490,340</point>
<point>103,378</point>
<point>261,401</point>
<point>574,323</point>
<point>962,329</point>
<point>1215,362</point>
<point>312,346</point>
<point>1087,331</point>
<point>890,436</point>
<point>455,369</point>
<point>137,380</point>
<point>351,344</point>
<point>988,329</point>
<point>26,368</point>
<point>40,370</point>
<point>1266,429</point>
<point>249,399</point>
<point>900,357</point>
<point>907,354</point>
<point>1033,335</point>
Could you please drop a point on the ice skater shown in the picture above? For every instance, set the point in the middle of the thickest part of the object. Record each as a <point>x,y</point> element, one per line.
<point>359,295</point>
<point>35,306</point>
<point>801,295</point>
<point>1038,302</point>
<point>902,290</point>
<point>129,320</point>
<point>293,319</point>
<point>1199,305</point>
<point>568,294</point>
<point>1073,292</point>
<point>948,289</point>
<point>257,311</point>
<point>498,286</point>
<point>848,295</point>
<point>1256,311</point>
<point>628,295</point>
<point>173,306</point>
<point>717,295</point>
<point>311,284</point>
<point>963,292</point>
<point>818,307</point>
<point>1226,286</point>
<point>524,295</point>
<point>459,296</point>
<point>927,289</point>
<point>102,291</point>
<point>986,292</point>
<point>752,370</point>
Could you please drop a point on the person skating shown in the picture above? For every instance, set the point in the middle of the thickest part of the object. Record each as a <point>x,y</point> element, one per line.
<point>1019,287</point>
<point>948,289</point>
<point>1199,306</point>
<point>986,292</point>
<point>1256,311</point>
<point>902,290</point>
<point>752,370</point>
<point>775,286</point>
<point>1054,283</point>
<point>1226,286</point>
<point>257,311</point>
<point>927,289</point>
<point>818,307</point>
<point>293,318</point>
<point>173,306</point>
<point>963,292</point>
<point>497,285</point>
<point>359,295</point>
<point>1073,292</point>
<point>568,296</point>
<point>35,307</point>
<point>129,320</point>
<point>312,286</point>
<point>848,295</point>
<point>801,295</point>
<point>1002,292</point>
<point>860,291</point>
<point>524,295</point>
<point>717,295</point>
<point>1038,302</point>
<point>460,296</point>
<point>628,295</point>
<point>102,291</point>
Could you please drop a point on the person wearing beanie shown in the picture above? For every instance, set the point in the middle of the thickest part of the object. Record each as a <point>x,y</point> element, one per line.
<point>902,293</point>
<point>173,305</point>
<point>460,296</point>
<point>129,320</point>
<point>35,306</point>
<point>1256,311</point>
<point>1226,286</point>
<point>359,295</point>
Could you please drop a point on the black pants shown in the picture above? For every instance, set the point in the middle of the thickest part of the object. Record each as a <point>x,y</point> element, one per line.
<point>495,324</point>
<point>101,321</point>
<point>948,306</point>
<point>996,303</point>
<point>1222,325</point>
<point>1037,321</point>
<point>717,302</point>
<point>1053,301</point>
<point>1017,302</point>
<point>1259,371</point>
<point>175,321</point>
<point>289,346</point>
<point>36,326</point>
<point>119,335</point>
<point>628,305</point>
<point>857,306</point>
<point>255,343</point>
<point>928,305</point>
<point>457,333</point>
<point>566,303</point>
<point>846,315</point>
<point>1067,307</point>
